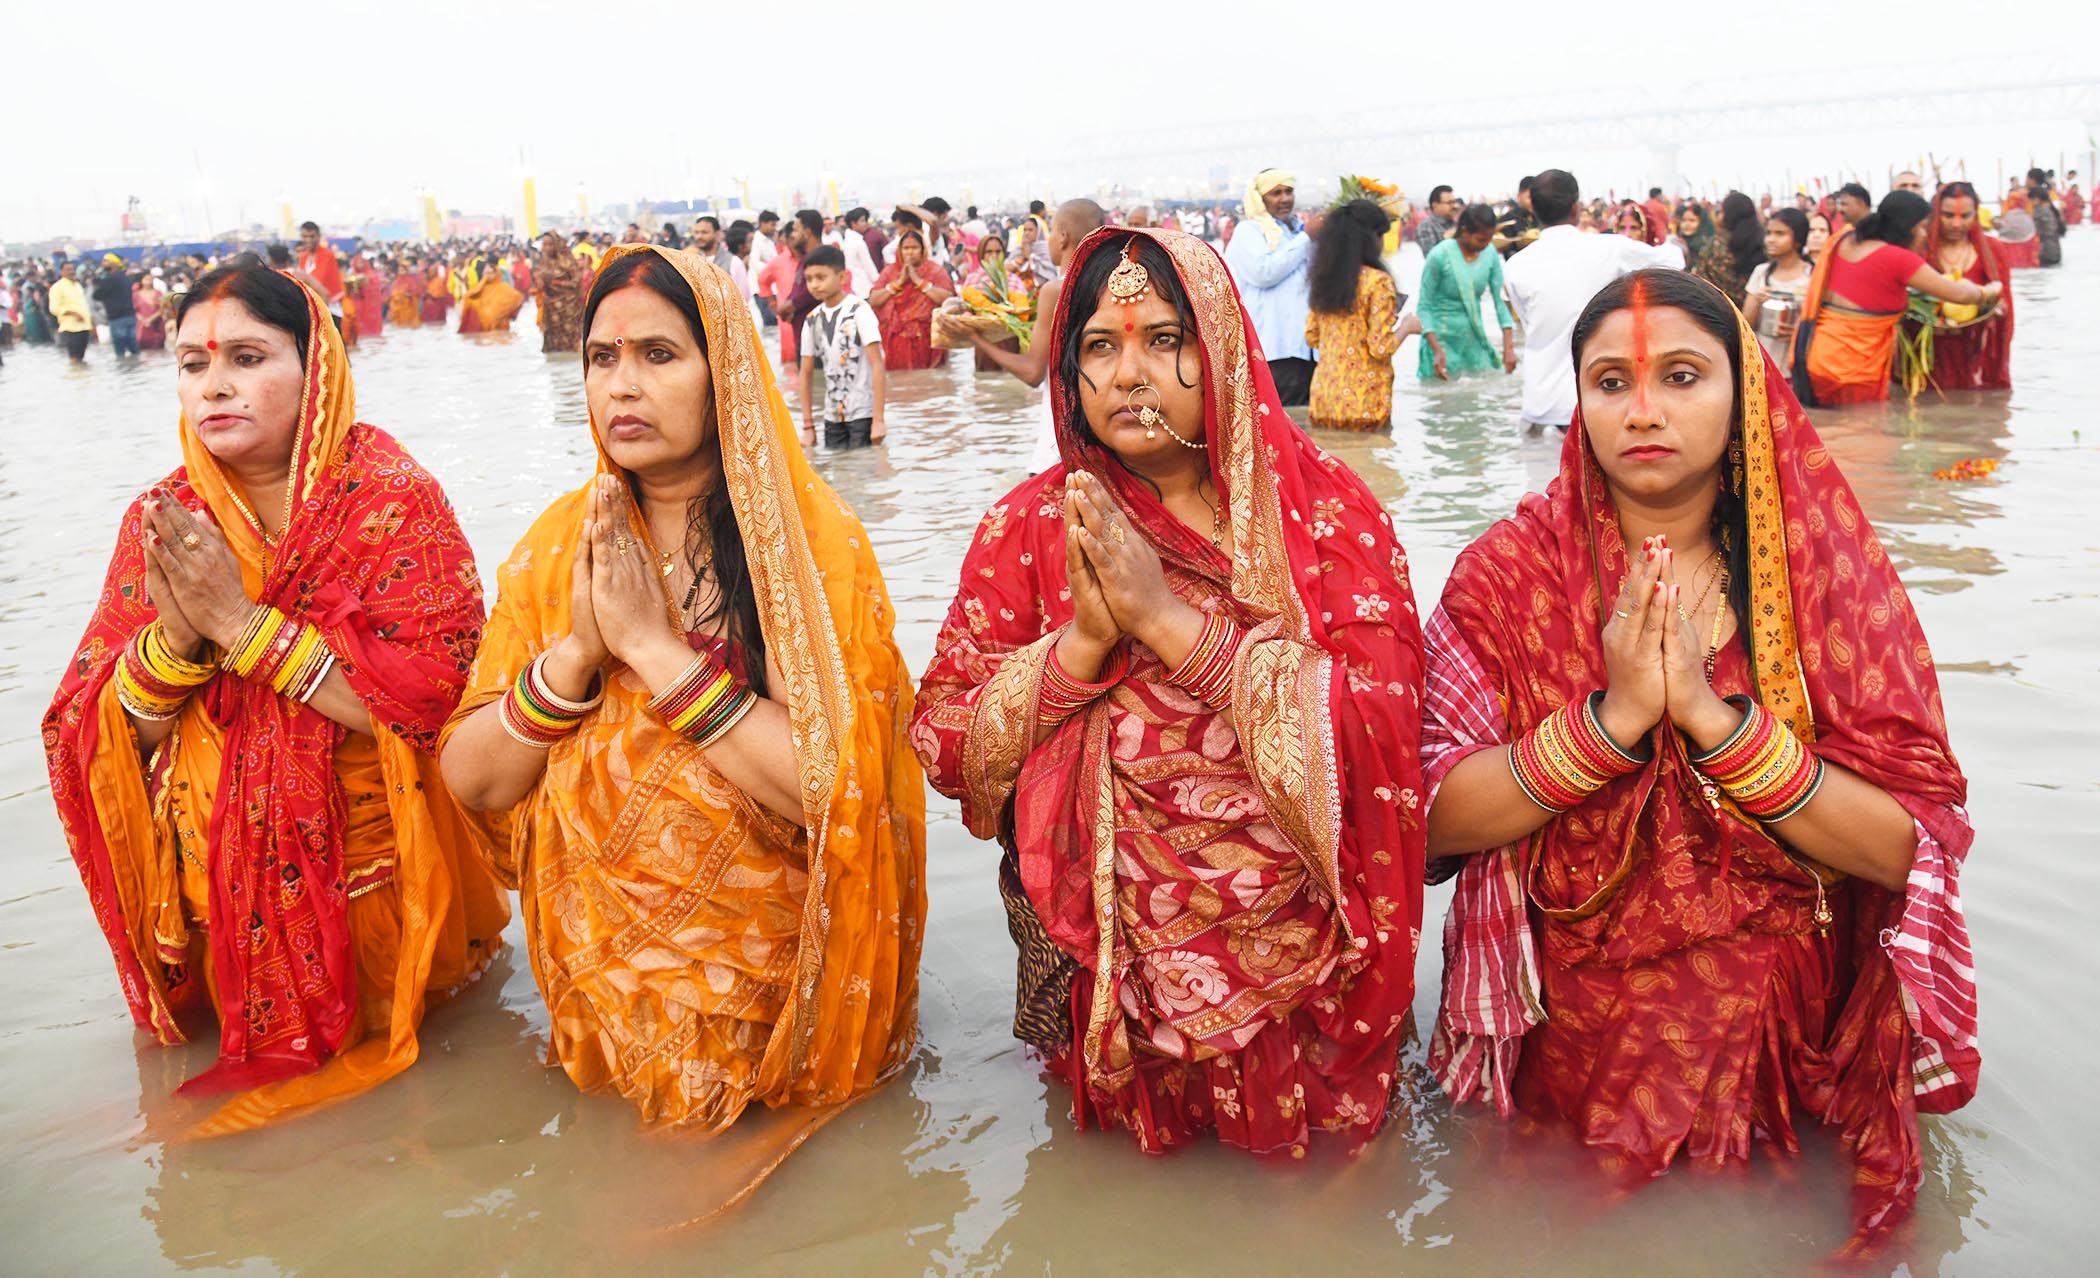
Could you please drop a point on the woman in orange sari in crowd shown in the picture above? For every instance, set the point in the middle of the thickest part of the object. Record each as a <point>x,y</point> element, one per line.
<point>243,748</point>
<point>690,702</point>
<point>1705,821</point>
<point>1181,686</point>
<point>1857,296</point>
<point>1978,357</point>
<point>404,302</point>
<point>491,303</point>
<point>905,297</point>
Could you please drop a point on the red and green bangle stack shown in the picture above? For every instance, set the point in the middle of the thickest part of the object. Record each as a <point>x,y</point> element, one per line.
<point>1569,757</point>
<point>537,716</point>
<point>1763,766</point>
<point>705,702</point>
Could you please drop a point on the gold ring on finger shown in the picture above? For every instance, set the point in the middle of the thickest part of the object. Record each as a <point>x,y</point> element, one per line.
<point>190,541</point>
<point>623,543</point>
<point>1115,530</point>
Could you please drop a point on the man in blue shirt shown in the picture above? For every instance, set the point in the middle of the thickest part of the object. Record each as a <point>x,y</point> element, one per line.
<point>1270,254</point>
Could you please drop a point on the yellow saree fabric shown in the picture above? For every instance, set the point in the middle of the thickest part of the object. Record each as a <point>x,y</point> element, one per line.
<point>697,952</point>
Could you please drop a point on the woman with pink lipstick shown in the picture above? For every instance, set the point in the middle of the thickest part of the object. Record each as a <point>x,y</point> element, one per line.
<point>1703,813</point>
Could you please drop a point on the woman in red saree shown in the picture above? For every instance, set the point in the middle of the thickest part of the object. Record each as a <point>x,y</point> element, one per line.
<point>905,297</point>
<point>1978,357</point>
<point>1649,948</point>
<point>1158,688</point>
<point>369,285</point>
<point>437,292</point>
<point>241,750</point>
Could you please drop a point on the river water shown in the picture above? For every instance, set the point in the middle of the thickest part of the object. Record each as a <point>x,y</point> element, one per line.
<point>480,1159</point>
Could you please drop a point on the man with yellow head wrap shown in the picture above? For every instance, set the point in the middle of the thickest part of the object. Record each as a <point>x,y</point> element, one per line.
<point>1269,254</point>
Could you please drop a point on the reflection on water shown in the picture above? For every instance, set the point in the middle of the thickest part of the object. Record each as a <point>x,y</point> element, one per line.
<point>482,1159</point>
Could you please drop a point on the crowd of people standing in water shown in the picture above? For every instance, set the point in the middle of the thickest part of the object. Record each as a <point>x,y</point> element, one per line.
<point>1704,822</point>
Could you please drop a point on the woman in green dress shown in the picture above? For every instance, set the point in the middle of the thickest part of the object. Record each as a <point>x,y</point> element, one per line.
<point>1454,275</point>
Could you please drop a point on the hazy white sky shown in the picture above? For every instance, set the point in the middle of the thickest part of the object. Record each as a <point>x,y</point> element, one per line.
<point>347,110</point>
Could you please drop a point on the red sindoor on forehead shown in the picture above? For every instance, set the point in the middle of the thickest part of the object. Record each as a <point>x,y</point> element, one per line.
<point>1638,305</point>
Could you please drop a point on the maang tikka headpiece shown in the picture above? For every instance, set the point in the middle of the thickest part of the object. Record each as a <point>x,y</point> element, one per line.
<point>1129,283</point>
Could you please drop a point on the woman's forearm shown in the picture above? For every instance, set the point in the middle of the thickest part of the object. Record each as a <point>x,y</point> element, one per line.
<point>1854,826</point>
<point>1480,806</point>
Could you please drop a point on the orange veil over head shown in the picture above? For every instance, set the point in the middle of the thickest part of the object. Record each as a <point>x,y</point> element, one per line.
<point>697,952</point>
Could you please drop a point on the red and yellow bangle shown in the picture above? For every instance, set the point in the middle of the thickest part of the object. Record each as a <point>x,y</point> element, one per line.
<point>704,702</point>
<point>1763,766</point>
<point>1062,696</point>
<point>152,681</point>
<point>1206,672</point>
<point>1569,757</point>
<point>537,716</point>
<point>291,656</point>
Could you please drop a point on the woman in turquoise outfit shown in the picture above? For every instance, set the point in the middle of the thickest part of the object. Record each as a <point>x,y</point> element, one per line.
<point>1454,275</point>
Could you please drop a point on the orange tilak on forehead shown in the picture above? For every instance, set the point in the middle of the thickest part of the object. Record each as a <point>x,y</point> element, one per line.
<point>1637,301</point>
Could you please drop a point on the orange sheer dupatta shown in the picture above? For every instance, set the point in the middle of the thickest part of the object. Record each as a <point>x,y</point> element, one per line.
<point>812,1010</point>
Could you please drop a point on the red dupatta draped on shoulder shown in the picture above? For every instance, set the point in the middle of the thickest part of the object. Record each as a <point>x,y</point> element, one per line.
<point>1836,652</point>
<point>372,556</point>
<point>1180,1020</point>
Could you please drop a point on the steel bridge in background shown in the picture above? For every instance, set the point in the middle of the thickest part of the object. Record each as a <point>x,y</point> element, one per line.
<point>1996,90</point>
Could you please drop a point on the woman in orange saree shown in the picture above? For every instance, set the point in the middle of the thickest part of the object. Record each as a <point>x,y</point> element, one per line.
<point>489,306</point>
<point>1668,949</point>
<point>404,303</point>
<point>1856,299</point>
<point>1180,684</point>
<point>242,749</point>
<point>720,854</point>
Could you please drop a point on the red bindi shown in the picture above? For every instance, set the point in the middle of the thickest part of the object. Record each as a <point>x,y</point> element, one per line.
<point>211,346</point>
<point>1130,328</point>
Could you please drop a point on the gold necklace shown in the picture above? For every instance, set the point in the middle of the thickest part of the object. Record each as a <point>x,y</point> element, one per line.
<point>1713,643</point>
